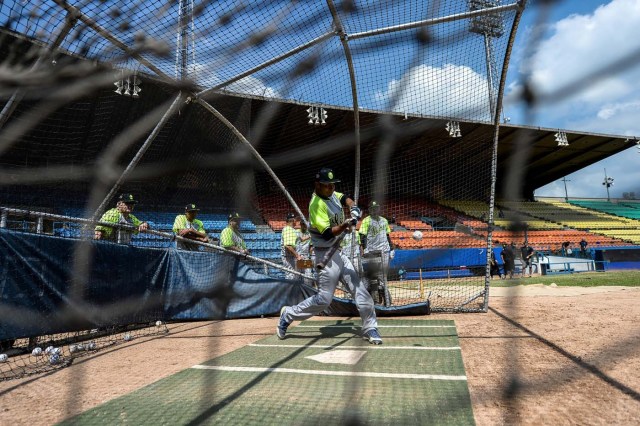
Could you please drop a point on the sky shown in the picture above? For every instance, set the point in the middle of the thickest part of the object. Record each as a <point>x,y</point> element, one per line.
<point>581,37</point>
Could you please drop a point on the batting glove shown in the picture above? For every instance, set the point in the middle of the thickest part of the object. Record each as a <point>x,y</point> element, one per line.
<point>350,222</point>
<point>356,212</point>
<point>392,254</point>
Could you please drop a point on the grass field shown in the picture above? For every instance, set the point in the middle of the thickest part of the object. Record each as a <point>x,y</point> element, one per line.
<point>583,279</point>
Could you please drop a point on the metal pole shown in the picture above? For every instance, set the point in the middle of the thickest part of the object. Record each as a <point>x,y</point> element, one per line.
<point>606,184</point>
<point>434,21</point>
<point>494,155</point>
<point>17,96</point>
<point>251,148</point>
<point>154,133</point>
<point>566,194</point>
<point>182,47</point>
<point>488,52</point>
<point>110,37</point>
<point>354,92</point>
<point>266,64</point>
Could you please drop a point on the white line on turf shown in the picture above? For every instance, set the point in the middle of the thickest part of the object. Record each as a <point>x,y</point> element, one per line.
<point>376,347</point>
<point>379,326</point>
<point>331,373</point>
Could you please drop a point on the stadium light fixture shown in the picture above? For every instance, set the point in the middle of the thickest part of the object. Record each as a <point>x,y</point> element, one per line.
<point>317,116</point>
<point>312,115</point>
<point>561,138</point>
<point>490,24</point>
<point>453,127</point>
<point>119,83</point>
<point>129,86</point>
<point>135,90</point>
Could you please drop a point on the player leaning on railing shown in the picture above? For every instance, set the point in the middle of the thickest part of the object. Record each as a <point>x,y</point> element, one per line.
<point>231,238</point>
<point>121,214</point>
<point>327,223</point>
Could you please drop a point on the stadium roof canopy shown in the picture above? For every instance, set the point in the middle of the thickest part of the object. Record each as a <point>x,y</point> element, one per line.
<point>544,162</point>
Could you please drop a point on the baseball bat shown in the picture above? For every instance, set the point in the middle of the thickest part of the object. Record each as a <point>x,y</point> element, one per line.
<point>332,250</point>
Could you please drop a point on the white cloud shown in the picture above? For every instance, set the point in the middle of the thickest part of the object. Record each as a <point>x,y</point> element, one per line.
<point>448,91</point>
<point>580,44</point>
<point>576,47</point>
<point>611,110</point>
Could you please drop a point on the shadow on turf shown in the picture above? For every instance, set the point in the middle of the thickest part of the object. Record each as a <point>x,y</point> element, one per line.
<point>327,331</point>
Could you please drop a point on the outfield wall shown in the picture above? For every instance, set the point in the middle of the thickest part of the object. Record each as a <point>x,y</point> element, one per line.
<point>618,258</point>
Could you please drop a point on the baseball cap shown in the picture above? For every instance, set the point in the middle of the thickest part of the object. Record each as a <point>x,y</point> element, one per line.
<point>191,208</point>
<point>234,216</point>
<point>325,175</point>
<point>127,199</point>
<point>291,215</point>
<point>374,205</point>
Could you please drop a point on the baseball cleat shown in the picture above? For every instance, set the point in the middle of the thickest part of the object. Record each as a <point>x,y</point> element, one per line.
<point>281,330</point>
<point>373,337</point>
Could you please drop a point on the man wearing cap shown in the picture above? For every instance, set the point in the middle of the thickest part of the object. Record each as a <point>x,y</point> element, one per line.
<point>288,251</point>
<point>121,214</point>
<point>527,252</point>
<point>327,223</point>
<point>187,226</point>
<point>230,237</point>
<point>375,236</point>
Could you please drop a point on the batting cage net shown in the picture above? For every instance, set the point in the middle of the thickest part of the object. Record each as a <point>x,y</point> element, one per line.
<point>226,111</point>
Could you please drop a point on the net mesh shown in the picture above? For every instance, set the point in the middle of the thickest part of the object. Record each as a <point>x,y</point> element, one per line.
<point>234,107</point>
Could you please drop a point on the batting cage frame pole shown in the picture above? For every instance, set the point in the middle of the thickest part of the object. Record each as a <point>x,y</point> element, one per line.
<point>266,64</point>
<point>113,39</point>
<point>18,95</point>
<point>494,155</point>
<point>143,149</point>
<point>435,21</point>
<point>250,147</point>
<point>339,31</point>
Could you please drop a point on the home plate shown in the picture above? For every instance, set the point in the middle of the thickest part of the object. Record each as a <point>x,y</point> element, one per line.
<point>339,357</point>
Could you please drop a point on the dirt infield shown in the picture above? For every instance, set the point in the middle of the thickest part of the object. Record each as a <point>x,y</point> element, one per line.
<point>541,355</point>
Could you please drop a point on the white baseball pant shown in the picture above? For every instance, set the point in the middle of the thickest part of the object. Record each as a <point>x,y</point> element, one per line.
<point>339,268</point>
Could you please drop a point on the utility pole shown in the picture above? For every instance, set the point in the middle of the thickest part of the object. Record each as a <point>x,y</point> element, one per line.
<point>566,194</point>
<point>608,181</point>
